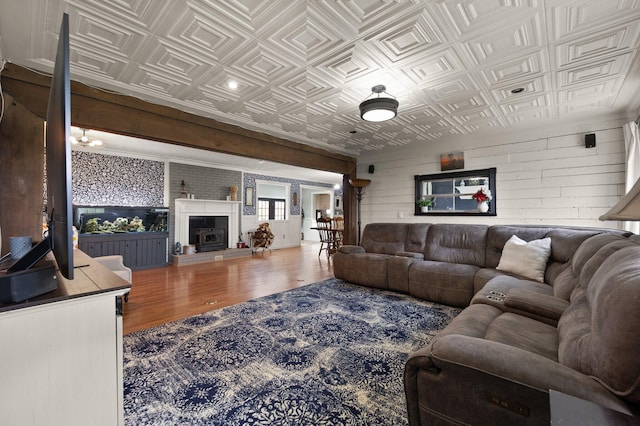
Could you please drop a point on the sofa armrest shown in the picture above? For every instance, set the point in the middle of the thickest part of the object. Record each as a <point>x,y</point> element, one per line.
<point>482,358</point>
<point>410,254</point>
<point>349,249</point>
<point>115,264</point>
<point>538,304</point>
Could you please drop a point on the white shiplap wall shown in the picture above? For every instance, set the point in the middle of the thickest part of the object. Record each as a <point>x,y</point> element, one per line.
<point>541,178</point>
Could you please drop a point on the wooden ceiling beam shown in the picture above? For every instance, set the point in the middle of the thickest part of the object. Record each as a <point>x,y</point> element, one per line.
<point>112,112</point>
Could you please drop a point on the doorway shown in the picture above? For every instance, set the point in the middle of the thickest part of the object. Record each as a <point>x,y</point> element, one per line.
<point>315,201</point>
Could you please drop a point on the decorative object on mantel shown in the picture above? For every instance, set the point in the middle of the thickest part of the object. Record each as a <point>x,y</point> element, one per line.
<point>234,193</point>
<point>424,204</point>
<point>183,190</point>
<point>359,184</point>
<point>482,196</point>
<point>378,109</point>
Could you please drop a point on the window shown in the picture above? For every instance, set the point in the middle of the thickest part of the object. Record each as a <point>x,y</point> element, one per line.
<point>272,209</point>
<point>451,193</point>
<point>272,200</point>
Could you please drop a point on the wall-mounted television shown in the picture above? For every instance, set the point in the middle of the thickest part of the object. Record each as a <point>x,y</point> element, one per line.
<point>58,167</point>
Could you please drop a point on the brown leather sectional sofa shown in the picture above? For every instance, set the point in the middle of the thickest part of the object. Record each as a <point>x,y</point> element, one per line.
<point>576,331</point>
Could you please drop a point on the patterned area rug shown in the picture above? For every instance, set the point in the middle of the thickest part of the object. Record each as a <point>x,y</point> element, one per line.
<point>329,353</point>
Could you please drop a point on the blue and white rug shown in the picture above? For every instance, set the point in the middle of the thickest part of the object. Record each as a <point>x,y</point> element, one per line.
<point>329,353</point>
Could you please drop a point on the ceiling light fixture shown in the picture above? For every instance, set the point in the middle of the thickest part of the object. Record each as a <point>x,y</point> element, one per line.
<point>233,85</point>
<point>84,140</point>
<point>378,109</point>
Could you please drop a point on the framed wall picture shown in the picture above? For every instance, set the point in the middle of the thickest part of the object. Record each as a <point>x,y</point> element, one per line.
<point>452,161</point>
<point>456,193</point>
<point>248,196</point>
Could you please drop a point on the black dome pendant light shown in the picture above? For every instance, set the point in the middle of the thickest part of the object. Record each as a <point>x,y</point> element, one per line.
<point>378,109</point>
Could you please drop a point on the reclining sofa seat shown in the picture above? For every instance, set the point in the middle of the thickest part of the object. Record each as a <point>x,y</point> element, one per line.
<point>542,301</point>
<point>494,367</point>
<point>431,261</point>
<point>496,362</point>
<point>449,263</point>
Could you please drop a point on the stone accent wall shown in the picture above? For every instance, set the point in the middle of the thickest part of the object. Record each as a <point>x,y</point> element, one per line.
<point>109,180</point>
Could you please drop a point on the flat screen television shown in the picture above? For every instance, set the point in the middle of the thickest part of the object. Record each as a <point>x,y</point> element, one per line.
<point>58,167</point>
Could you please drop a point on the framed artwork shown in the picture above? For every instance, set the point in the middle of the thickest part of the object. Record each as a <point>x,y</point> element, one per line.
<point>452,161</point>
<point>248,196</point>
<point>456,193</point>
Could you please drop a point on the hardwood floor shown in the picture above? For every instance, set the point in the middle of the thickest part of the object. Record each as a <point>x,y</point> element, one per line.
<point>167,294</point>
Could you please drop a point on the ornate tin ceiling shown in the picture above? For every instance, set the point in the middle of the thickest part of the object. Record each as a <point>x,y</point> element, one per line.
<point>303,66</point>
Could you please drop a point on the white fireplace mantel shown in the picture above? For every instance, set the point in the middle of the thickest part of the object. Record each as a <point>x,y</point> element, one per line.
<point>186,207</point>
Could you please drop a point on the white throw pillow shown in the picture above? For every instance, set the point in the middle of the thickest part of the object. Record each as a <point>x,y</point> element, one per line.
<point>528,259</point>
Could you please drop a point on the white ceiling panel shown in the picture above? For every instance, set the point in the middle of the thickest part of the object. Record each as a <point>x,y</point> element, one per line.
<point>303,66</point>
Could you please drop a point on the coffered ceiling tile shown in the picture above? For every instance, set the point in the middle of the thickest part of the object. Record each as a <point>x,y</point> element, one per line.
<point>261,104</point>
<point>433,66</point>
<point>467,16</point>
<point>291,126</point>
<point>295,121</point>
<point>518,106</point>
<point>570,17</point>
<point>495,122</point>
<point>113,39</point>
<point>373,146</point>
<point>529,115</point>
<point>592,46</point>
<point>318,111</point>
<point>87,62</point>
<point>142,15</point>
<point>534,85</point>
<point>508,39</point>
<point>194,33</point>
<point>591,92</point>
<point>374,14</point>
<point>264,119</point>
<point>174,63</point>
<point>344,65</point>
<point>452,87</point>
<point>454,106</point>
<point>476,116</point>
<point>401,39</point>
<point>148,78</point>
<point>590,71</point>
<point>307,32</point>
<point>260,63</point>
<point>520,68</point>
<point>600,104</point>
<point>239,14</point>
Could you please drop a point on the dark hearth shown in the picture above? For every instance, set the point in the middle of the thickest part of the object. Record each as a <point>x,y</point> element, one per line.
<point>210,239</point>
<point>215,236</point>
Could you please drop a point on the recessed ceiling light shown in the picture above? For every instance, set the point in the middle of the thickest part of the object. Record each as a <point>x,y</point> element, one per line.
<point>517,90</point>
<point>232,85</point>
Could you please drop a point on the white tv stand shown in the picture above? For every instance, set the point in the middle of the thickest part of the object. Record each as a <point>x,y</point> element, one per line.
<point>61,353</point>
